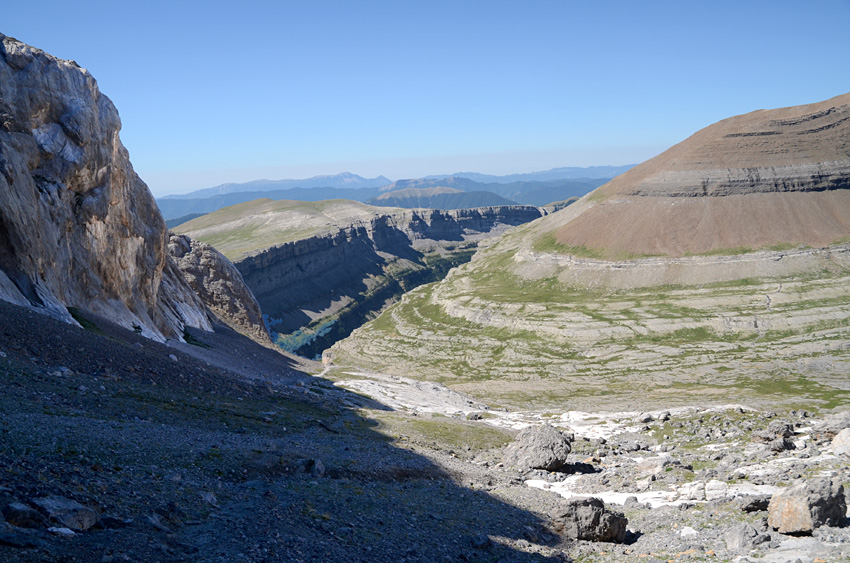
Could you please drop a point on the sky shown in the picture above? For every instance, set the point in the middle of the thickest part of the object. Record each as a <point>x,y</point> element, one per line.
<point>214,92</point>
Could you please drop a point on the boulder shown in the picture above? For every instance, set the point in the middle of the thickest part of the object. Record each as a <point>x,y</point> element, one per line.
<point>841,443</point>
<point>740,537</point>
<point>22,516</point>
<point>539,447</point>
<point>67,512</point>
<point>588,519</point>
<point>811,504</point>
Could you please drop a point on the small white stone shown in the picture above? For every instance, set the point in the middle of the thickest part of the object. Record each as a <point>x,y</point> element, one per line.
<point>62,532</point>
<point>688,532</point>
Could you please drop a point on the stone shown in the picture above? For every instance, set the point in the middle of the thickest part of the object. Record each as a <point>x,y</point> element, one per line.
<point>587,518</point>
<point>539,447</point>
<point>716,490</point>
<point>692,491</point>
<point>688,532</point>
<point>740,537</point>
<point>841,443</point>
<point>62,532</point>
<point>806,506</point>
<point>69,513</point>
<point>22,516</point>
<point>317,468</point>
<point>754,503</point>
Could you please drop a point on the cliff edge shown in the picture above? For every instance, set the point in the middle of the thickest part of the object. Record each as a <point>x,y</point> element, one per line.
<point>78,227</point>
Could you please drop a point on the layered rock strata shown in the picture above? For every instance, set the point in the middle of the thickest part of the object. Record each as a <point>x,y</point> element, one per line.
<point>767,178</point>
<point>78,228</point>
<point>336,280</point>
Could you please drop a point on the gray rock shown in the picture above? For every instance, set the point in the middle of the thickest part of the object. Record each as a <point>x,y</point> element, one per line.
<point>539,447</point>
<point>317,468</point>
<point>22,516</point>
<point>68,512</point>
<point>841,443</point>
<point>754,503</point>
<point>588,519</point>
<point>806,506</point>
<point>62,532</point>
<point>740,538</point>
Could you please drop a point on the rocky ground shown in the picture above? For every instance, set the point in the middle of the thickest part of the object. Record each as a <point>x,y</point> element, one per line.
<point>117,448</point>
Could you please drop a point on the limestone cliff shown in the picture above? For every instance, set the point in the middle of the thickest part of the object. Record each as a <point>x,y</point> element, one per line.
<point>219,285</point>
<point>315,290</point>
<point>78,228</point>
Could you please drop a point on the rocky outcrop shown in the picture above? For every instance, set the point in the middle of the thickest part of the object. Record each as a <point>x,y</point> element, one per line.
<point>78,228</point>
<point>219,285</point>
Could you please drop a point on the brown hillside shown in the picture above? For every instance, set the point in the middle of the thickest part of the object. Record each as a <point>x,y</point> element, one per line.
<point>767,178</point>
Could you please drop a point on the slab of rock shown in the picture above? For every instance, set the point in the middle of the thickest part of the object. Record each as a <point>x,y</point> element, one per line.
<point>841,443</point>
<point>20,515</point>
<point>67,512</point>
<point>806,506</point>
<point>588,519</point>
<point>539,447</point>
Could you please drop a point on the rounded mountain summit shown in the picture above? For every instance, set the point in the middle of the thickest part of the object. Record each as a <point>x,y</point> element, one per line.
<point>766,179</point>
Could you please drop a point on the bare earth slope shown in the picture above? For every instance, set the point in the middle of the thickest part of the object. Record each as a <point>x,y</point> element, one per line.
<point>767,178</point>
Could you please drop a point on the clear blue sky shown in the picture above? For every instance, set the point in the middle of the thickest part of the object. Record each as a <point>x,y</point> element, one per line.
<point>213,92</point>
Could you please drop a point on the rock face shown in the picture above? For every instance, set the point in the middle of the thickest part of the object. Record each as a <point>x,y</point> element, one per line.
<point>588,519</point>
<point>316,289</point>
<point>78,228</point>
<point>219,285</point>
<point>539,447</point>
<point>804,507</point>
<point>767,178</point>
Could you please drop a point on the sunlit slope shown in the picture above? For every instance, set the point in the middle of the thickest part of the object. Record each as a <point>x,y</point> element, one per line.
<point>255,225</point>
<point>672,282</point>
<point>765,179</point>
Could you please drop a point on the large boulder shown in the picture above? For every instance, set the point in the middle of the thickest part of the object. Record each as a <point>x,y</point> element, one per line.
<point>67,512</point>
<point>539,447</point>
<point>588,519</point>
<point>841,443</point>
<point>802,508</point>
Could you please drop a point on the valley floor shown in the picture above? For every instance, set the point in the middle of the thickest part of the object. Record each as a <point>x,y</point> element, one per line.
<point>225,451</point>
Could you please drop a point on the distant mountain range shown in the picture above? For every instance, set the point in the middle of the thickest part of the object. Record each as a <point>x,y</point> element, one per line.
<point>537,188</point>
<point>346,180</point>
<point>563,173</point>
<point>438,198</point>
